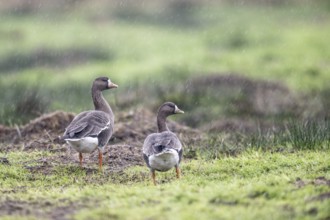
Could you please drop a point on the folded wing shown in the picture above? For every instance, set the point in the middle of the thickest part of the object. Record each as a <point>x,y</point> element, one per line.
<point>87,124</point>
<point>165,139</point>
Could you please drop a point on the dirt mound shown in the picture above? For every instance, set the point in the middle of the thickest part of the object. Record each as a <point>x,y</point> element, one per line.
<point>231,125</point>
<point>6,133</point>
<point>234,103</point>
<point>55,122</point>
<point>123,150</point>
<point>134,127</point>
<point>48,127</point>
<point>241,125</point>
<point>258,97</point>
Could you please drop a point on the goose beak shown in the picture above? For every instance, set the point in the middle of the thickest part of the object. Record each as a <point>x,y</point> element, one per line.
<point>112,85</point>
<point>178,111</point>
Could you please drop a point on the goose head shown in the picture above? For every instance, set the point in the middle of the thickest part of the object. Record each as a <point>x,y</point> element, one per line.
<point>103,83</point>
<point>169,108</point>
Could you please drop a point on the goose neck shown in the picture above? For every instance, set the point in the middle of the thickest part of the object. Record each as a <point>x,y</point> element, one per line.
<point>99,101</point>
<point>161,122</point>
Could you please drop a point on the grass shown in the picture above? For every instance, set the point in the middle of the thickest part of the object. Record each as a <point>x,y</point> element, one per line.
<point>309,135</point>
<point>136,44</point>
<point>50,56</point>
<point>252,185</point>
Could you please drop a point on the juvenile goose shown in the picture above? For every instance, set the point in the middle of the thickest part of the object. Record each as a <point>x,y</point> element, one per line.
<point>92,129</point>
<point>163,150</point>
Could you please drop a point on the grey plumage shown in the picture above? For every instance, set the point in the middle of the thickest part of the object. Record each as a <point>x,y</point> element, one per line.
<point>166,138</point>
<point>89,124</point>
<point>92,129</point>
<point>163,150</point>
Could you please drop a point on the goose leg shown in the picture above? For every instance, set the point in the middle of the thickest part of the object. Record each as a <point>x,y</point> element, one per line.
<point>80,159</point>
<point>153,176</point>
<point>177,170</point>
<point>100,159</point>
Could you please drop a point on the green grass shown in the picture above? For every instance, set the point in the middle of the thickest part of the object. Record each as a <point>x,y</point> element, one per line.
<point>252,185</point>
<point>52,50</point>
<point>49,57</point>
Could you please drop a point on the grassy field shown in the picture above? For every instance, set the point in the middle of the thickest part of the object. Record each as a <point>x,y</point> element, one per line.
<point>252,78</point>
<point>51,53</point>
<point>253,185</point>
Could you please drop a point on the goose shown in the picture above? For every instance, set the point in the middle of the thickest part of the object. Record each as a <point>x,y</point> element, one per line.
<point>163,150</point>
<point>92,129</point>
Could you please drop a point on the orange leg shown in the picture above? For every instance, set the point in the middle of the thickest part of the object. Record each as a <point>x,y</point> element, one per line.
<point>153,175</point>
<point>80,159</point>
<point>100,159</point>
<point>177,169</point>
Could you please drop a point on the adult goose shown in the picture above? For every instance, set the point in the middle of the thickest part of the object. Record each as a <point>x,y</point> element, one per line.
<point>163,150</point>
<point>92,129</point>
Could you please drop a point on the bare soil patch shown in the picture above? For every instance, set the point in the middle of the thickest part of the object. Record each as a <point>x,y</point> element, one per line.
<point>258,97</point>
<point>321,197</point>
<point>40,209</point>
<point>234,103</point>
<point>123,150</point>
<point>316,182</point>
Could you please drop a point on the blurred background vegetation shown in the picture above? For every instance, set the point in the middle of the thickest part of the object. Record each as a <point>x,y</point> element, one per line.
<point>246,66</point>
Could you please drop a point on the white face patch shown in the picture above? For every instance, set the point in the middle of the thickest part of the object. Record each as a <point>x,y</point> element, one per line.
<point>176,108</point>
